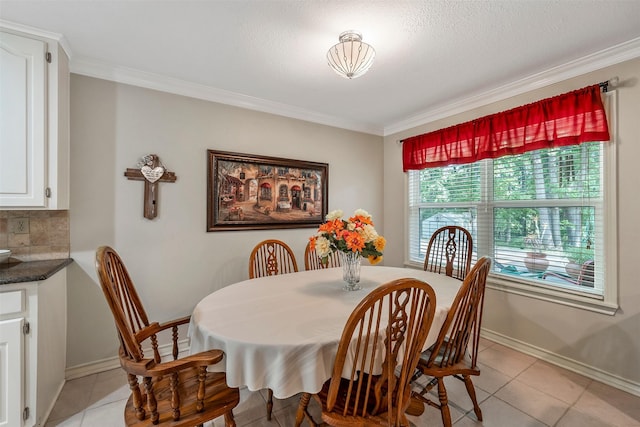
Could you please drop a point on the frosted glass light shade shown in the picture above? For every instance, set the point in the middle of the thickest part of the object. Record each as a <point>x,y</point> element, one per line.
<point>351,58</point>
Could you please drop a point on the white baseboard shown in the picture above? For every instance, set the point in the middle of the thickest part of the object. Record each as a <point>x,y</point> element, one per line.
<point>565,362</point>
<point>114,362</point>
<point>542,354</point>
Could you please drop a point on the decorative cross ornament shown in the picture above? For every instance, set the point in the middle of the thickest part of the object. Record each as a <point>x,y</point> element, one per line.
<point>151,172</point>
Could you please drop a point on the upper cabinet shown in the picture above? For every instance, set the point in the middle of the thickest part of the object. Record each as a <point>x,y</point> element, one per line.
<point>34,122</point>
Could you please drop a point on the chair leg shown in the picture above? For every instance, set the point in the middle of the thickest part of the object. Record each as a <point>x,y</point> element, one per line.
<point>444,403</point>
<point>269,404</point>
<point>228,419</point>
<point>472,394</point>
<point>137,397</point>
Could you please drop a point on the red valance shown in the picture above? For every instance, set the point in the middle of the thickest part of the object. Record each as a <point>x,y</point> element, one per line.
<point>568,119</point>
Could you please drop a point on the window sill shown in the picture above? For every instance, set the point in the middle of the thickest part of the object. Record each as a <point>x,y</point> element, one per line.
<point>585,301</point>
<point>582,300</point>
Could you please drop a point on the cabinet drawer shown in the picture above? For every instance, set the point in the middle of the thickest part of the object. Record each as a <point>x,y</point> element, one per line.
<point>11,302</point>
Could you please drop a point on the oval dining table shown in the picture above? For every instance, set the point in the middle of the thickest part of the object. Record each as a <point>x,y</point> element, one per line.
<point>282,332</point>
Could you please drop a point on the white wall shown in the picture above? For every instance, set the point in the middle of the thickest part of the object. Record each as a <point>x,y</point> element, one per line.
<point>173,261</point>
<point>603,345</point>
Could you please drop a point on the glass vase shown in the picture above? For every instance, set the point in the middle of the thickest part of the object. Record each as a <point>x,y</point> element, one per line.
<point>351,270</point>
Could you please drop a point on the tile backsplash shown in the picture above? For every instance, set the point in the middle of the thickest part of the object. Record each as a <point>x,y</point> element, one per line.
<point>35,235</point>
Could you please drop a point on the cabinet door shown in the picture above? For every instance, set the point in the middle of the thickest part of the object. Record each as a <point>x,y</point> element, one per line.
<point>11,372</point>
<point>22,121</point>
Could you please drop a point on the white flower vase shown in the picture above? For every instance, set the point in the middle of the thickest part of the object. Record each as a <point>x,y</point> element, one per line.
<point>351,270</point>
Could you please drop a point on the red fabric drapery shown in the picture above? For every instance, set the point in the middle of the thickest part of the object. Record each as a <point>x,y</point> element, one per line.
<point>568,119</point>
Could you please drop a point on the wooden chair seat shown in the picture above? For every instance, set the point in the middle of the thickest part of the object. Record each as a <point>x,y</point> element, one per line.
<point>337,416</point>
<point>219,400</point>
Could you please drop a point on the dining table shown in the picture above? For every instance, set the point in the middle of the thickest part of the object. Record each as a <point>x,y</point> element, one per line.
<point>282,332</point>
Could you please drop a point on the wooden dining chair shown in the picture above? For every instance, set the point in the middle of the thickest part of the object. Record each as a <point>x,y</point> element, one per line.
<point>449,252</point>
<point>452,353</point>
<point>313,262</point>
<point>376,357</point>
<point>176,392</point>
<point>270,258</point>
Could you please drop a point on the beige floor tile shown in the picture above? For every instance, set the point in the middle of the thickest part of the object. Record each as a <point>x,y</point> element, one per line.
<point>514,390</point>
<point>457,394</point>
<point>109,415</point>
<point>484,344</point>
<point>252,407</point>
<point>574,418</point>
<point>110,386</point>
<point>609,405</point>
<point>432,417</point>
<point>287,416</point>
<point>72,421</point>
<point>74,397</point>
<point>497,413</point>
<point>279,404</point>
<point>531,401</point>
<point>262,422</point>
<point>506,360</point>
<point>557,382</point>
<point>490,379</point>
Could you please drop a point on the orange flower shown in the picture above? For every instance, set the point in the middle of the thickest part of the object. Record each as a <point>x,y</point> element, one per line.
<point>359,220</point>
<point>343,234</point>
<point>312,243</point>
<point>380,243</point>
<point>374,259</point>
<point>332,226</point>
<point>325,228</point>
<point>355,242</point>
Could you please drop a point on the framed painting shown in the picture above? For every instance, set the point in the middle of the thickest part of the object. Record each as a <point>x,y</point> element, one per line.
<point>248,192</point>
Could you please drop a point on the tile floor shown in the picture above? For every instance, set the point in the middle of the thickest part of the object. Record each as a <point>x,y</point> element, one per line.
<point>514,390</point>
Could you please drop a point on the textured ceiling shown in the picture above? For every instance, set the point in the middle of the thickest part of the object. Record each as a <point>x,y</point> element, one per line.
<point>429,53</point>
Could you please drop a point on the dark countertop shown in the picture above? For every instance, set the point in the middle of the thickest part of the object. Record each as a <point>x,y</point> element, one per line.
<point>31,271</point>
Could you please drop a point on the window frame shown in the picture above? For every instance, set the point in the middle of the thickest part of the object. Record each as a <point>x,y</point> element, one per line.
<point>605,302</point>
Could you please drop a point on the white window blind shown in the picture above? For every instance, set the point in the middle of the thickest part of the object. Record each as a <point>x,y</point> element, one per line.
<point>542,216</point>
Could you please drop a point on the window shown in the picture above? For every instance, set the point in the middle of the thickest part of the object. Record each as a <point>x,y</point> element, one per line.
<point>284,192</point>
<point>546,217</point>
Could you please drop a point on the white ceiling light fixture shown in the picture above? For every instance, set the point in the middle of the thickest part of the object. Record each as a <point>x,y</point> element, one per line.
<point>351,57</point>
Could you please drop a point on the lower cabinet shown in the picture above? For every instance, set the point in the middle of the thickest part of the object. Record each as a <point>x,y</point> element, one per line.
<point>33,331</point>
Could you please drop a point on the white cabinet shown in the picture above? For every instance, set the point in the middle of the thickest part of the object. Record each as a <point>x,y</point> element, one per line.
<point>33,330</point>
<point>11,371</point>
<point>34,122</point>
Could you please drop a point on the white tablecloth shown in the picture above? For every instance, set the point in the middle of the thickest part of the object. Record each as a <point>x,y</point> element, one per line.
<point>282,332</point>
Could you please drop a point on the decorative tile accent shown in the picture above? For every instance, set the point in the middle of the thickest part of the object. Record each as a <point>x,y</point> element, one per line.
<point>35,235</point>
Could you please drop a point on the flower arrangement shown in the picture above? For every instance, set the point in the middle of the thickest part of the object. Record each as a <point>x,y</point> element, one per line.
<point>355,235</point>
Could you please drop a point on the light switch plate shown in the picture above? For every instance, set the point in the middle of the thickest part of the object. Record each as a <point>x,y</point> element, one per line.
<point>18,225</point>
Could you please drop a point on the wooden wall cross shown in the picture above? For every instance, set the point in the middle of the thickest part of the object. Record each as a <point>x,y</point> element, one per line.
<point>152,172</point>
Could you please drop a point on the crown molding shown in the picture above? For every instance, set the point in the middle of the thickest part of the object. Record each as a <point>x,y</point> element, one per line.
<point>13,26</point>
<point>158,82</point>
<point>607,57</point>
<point>596,61</point>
